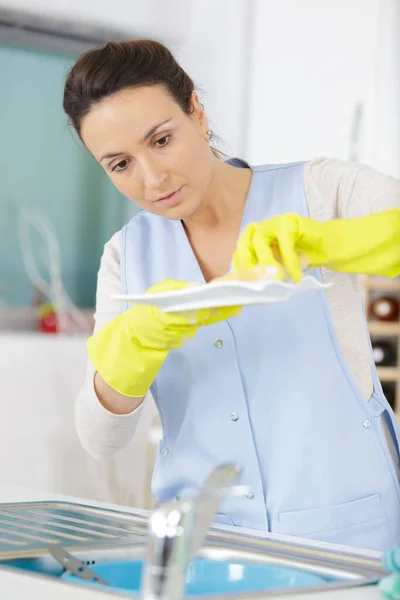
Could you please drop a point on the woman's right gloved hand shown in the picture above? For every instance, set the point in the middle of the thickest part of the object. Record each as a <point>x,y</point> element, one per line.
<point>130,350</point>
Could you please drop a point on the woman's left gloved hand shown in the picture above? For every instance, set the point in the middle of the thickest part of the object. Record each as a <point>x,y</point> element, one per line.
<point>390,585</point>
<point>366,245</point>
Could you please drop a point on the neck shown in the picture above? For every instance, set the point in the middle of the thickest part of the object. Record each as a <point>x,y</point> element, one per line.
<point>224,201</point>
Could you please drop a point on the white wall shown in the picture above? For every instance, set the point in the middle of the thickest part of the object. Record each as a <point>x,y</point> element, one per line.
<point>215,54</point>
<point>312,63</point>
<point>386,125</point>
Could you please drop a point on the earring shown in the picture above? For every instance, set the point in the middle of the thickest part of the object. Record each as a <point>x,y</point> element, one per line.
<point>209,133</point>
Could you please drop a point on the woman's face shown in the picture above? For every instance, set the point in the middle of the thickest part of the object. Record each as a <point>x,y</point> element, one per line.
<point>154,153</point>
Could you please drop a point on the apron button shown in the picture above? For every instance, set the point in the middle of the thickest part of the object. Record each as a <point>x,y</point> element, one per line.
<point>165,452</point>
<point>234,417</point>
<point>218,343</point>
<point>367,424</point>
<point>250,495</point>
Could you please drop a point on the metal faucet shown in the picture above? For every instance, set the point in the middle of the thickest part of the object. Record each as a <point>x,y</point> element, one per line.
<point>177,530</point>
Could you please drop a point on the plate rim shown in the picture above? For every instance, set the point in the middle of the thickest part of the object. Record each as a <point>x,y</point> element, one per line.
<point>252,286</point>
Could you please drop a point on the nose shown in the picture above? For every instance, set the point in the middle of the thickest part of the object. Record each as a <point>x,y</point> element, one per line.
<point>153,173</point>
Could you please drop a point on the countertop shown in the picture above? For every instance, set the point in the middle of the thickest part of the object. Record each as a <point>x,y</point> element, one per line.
<point>15,586</point>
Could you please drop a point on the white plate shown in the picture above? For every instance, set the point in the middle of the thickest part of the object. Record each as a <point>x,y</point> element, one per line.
<point>225,293</point>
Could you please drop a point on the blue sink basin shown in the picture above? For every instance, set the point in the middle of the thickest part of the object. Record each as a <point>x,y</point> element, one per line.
<point>208,577</point>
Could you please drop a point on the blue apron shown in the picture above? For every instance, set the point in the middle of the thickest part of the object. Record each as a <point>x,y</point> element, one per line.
<point>269,390</point>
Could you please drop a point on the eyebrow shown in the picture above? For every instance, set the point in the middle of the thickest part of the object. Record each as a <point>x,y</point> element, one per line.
<point>144,138</point>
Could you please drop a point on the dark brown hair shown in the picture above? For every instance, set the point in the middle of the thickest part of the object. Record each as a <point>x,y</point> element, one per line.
<point>104,71</point>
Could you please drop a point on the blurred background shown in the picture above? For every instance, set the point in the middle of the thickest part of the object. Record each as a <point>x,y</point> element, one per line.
<point>281,80</point>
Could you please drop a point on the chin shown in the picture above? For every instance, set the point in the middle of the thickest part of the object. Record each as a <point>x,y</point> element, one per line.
<point>179,212</point>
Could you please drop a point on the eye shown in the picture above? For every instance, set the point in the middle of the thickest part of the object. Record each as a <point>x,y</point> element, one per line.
<point>121,166</point>
<point>164,141</point>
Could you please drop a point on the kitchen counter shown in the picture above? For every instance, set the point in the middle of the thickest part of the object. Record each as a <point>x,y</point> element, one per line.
<point>17,586</point>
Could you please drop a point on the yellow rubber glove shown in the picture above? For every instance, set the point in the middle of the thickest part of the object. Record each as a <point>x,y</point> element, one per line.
<point>367,245</point>
<point>130,350</point>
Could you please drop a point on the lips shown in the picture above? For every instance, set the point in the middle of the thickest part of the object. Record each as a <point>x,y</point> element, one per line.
<point>168,196</point>
<point>170,200</point>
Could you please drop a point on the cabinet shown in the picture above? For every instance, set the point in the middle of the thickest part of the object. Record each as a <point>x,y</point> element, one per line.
<point>325,81</point>
<point>373,287</point>
<point>39,447</point>
<point>168,21</point>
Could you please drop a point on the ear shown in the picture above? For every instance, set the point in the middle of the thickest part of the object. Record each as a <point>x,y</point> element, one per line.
<point>198,113</point>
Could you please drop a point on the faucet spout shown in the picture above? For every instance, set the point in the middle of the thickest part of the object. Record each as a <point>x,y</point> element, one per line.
<point>176,532</point>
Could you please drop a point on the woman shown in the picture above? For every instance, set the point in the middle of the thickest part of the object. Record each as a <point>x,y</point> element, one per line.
<point>287,391</point>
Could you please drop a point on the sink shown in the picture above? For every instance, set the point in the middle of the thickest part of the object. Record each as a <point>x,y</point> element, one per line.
<point>208,577</point>
<point>229,562</point>
<point>252,566</point>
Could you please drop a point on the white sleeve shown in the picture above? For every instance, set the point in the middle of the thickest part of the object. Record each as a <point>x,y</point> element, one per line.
<point>101,432</point>
<point>345,189</point>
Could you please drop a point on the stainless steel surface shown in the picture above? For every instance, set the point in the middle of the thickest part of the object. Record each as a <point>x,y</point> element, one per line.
<point>176,532</point>
<point>339,569</point>
<point>75,566</point>
<point>27,528</point>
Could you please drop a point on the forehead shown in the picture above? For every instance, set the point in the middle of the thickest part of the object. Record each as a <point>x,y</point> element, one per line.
<point>127,114</point>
